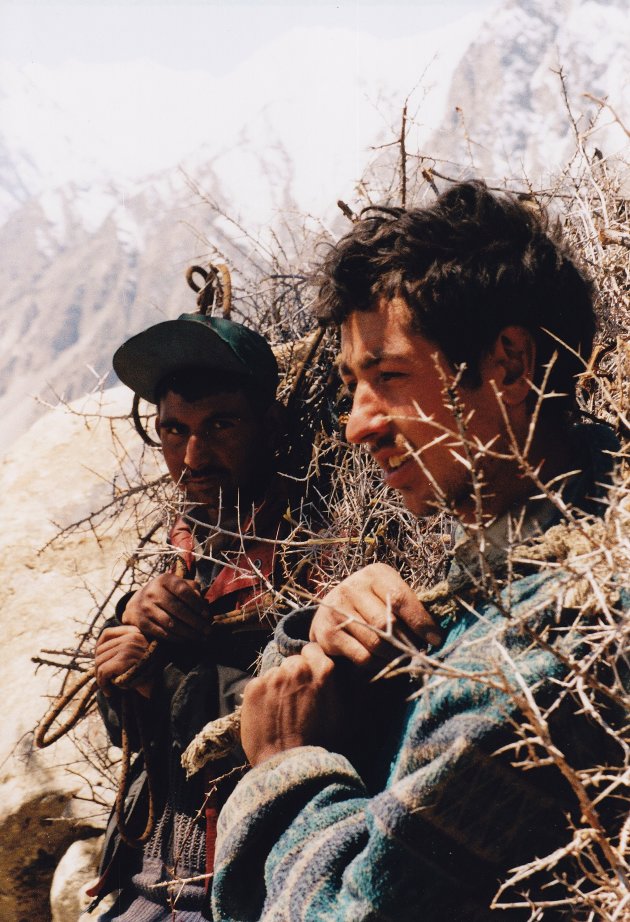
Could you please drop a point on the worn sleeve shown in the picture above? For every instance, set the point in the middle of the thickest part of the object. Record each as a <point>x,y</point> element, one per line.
<point>301,839</point>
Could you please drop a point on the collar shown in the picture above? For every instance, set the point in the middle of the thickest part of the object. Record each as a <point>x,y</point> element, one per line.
<point>240,558</point>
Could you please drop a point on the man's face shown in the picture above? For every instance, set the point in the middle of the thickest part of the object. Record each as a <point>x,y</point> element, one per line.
<point>390,370</point>
<point>216,449</point>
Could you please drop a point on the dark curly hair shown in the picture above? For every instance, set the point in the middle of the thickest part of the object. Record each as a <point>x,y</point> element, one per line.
<point>468,266</point>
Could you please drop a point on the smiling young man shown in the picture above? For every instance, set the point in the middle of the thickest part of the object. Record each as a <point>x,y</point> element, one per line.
<point>397,376</point>
<point>451,321</point>
<point>213,383</point>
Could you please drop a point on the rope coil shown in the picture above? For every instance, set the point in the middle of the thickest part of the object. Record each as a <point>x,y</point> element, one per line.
<point>87,684</point>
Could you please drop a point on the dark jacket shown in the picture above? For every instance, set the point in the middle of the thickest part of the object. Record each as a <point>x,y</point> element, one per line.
<point>193,685</point>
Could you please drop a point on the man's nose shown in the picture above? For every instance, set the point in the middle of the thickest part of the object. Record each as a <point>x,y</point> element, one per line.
<point>196,451</point>
<point>367,420</point>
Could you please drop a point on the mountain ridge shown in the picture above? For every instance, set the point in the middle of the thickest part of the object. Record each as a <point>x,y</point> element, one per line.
<point>89,262</point>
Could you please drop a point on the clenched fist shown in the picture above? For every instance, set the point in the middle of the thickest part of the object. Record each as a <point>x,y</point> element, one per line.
<point>117,650</point>
<point>294,704</point>
<point>168,608</point>
<point>375,597</point>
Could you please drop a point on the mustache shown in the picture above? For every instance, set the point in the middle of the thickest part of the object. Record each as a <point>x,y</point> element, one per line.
<point>200,473</point>
<point>389,441</point>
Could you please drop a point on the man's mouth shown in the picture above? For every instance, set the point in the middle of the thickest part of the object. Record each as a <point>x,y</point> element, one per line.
<point>396,461</point>
<point>398,457</point>
<point>205,476</point>
<point>204,484</point>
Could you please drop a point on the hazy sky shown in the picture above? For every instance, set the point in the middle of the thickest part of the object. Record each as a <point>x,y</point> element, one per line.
<point>321,81</point>
<point>195,34</point>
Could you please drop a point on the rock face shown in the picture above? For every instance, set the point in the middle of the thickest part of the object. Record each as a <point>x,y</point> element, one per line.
<point>73,875</point>
<point>71,305</point>
<point>37,827</point>
<point>507,116</point>
<point>58,472</point>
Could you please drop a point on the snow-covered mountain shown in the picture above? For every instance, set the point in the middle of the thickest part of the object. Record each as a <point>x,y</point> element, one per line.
<point>97,165</point>
<point>113,180</point>
<point>531,70</point>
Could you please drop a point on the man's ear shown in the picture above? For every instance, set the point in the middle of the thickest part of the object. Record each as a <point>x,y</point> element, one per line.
<point>512,362</point>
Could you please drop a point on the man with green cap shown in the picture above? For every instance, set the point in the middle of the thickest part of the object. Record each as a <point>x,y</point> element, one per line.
<point>214,383</point>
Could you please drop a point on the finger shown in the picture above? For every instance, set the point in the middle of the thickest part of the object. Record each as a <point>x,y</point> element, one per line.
<point>256,689</point>
<point>120,630</point>
<point>175,623</point>
<point>163,598</point>
<point>169,582</point>
<point>427,633</point>
<point>185,604</point>
<point>116,654</point>
<point>402,604</point>
<point>120,640</point>
<point>190,622</point>
<point>319,662</point>
<point>107,669</point>
<point>341,643</point>
<point>106,672</point>
<point>112,649</point>
<point>187,590</point>
<point>115,663</point>
<point>293,669</point>
<point>363,617</point>
<point>120,633</point>
<point>161,621</point>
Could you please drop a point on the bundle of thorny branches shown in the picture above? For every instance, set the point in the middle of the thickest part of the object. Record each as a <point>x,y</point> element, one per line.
<point>347,518</point>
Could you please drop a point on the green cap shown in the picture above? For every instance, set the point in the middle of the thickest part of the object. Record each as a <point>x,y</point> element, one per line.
<point>195,340</point>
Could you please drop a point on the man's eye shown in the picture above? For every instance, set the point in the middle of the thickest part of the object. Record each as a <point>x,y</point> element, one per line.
<point>218,425</point>
<point>390,375</point>
<point>172,430</point>
<point>348,388</point>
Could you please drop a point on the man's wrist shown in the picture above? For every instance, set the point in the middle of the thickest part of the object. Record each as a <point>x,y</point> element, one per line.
<point>127,615</point>
<point>270,749</point>
<point>270,752</point>
<point>121,607</point>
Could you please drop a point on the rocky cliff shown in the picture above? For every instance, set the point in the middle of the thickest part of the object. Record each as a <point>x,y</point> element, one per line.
<point>525,93</point>
<point>57,473</point>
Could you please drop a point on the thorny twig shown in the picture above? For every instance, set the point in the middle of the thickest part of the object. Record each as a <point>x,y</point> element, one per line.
<point>588,874</point>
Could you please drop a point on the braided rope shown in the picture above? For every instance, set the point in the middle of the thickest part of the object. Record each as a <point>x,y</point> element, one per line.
<point>130,709</point>
<point>216,287</point>
<point>42,736</point>
<point>214,741</point>
<point>124,682</point>
<point>137,421</point>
